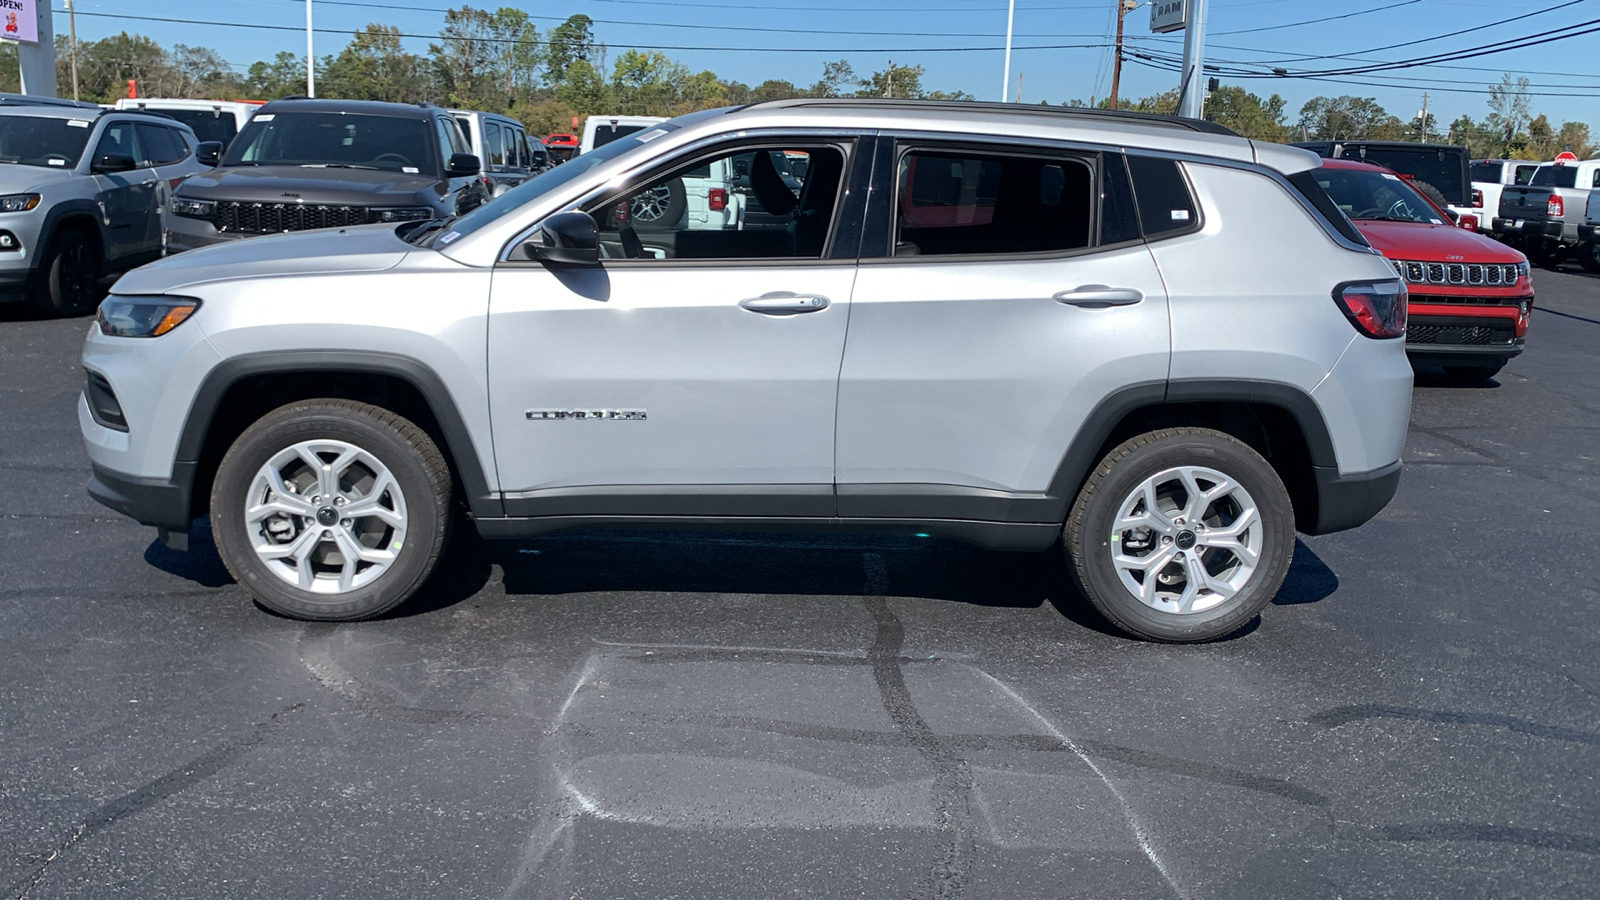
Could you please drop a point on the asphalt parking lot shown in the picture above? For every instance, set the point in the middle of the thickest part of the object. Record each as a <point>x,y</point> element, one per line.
<point>636,715</point>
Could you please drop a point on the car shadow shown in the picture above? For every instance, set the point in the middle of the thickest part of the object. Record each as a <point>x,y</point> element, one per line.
<point>1434,377</point>
<point>1309,581</point>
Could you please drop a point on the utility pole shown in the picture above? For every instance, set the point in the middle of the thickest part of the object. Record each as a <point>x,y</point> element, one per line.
<point>888,80</point>
<point>1116,59</point>
<point>1423,127</point>
<point>1019,87</point>
<point>72,28</point>
<point>1005,77</point>
<point>1192,97</point>
<point>311,59</point>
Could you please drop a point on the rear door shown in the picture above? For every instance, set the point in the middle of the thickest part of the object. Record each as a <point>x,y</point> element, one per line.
<point>1010,292</point>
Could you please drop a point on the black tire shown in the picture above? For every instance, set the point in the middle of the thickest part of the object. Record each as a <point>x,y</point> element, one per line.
<point>670,214</point>
<point>1544,253</point>
<point>411,457</point>
<point>69,280</point>
<point>1588,256</point>
<point>1432,193</point>
<point>1474,374</point>
<point>1087,536</point>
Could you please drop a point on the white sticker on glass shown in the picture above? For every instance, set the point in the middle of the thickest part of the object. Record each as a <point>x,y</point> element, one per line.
<point>447,238</point>
<point>266,118</point>
<point>409,170</point>
<point>1180,215</point>
<point>56,162</point>
<point>77,123</point>
<point>648,136</point>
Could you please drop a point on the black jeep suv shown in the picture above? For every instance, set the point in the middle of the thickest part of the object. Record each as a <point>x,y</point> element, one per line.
<point>302,164</point>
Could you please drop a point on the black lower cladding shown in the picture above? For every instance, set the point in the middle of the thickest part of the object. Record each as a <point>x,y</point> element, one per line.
<point>1463,354</point>
<point>1347,501</point>
<point>162,502</point>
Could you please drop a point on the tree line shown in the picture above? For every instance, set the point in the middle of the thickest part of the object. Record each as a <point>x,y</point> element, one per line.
<point>500,61</point>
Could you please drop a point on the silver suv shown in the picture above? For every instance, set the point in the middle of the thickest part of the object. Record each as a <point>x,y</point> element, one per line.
<point>1146,341</point>
<point>81,193</point>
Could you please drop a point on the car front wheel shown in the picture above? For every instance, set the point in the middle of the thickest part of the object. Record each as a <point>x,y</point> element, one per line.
<point>1180,535</point>
<point>331,510</point>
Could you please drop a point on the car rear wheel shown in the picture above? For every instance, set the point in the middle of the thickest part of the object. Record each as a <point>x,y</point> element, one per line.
<point>1180,535</point>
<point>1589,257</point>
<point>332,510</point>
<point>71,277</point>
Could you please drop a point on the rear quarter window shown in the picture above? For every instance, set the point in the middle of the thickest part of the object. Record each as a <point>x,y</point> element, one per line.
<point>1306,184</point>
<point>1166,207</point>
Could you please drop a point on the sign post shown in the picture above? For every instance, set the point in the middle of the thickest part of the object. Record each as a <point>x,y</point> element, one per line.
<point>27,22</point>
<point>1188,16</point>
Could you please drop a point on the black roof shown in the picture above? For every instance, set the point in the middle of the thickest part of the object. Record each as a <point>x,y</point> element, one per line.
<point>356,107</point>
<point>1014,109</point>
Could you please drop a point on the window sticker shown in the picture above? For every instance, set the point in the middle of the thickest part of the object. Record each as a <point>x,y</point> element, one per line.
<point>409,170</point>
<point>77,123</point>
<point>56,162</point>
<point>447,238</point>
<point>266,118</point>
<point>1180,215</point>
<point>650,135</point>
<point>1392,177</point>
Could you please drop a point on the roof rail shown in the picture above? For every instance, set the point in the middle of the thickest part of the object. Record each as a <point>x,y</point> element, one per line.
<point>1015,109</point>
<point>10,99</point>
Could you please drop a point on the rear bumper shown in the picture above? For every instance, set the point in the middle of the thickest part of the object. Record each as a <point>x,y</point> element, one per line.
<point>1529,228</point>
<point>1346,501</point>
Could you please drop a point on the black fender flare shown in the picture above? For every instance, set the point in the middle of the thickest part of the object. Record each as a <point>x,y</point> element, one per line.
<point>78,208</point>
<point>457,437</point>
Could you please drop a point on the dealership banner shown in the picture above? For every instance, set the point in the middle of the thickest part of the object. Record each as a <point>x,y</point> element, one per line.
<point>18,21</point>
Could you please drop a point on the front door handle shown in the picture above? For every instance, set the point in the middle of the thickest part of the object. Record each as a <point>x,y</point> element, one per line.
<point>785,303</point>
<point>1095,295</point>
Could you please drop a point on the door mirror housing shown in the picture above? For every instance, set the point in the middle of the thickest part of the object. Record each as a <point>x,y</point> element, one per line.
<point>111,163</point>
<point>1454,216</point>
<point>462,165</point>
<point>567,239</point>
<point>209,153</point>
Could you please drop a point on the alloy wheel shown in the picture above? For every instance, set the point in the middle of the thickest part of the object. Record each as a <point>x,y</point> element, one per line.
<point>1186,540</point>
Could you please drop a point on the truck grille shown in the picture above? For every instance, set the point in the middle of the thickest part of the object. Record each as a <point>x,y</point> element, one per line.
<point>1472,274</point>
<point>1480,335</point>
<point>240,217</point>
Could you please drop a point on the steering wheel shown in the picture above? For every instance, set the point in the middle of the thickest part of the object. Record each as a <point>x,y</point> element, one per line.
<point>1400,209</point>
<point>394,156</point>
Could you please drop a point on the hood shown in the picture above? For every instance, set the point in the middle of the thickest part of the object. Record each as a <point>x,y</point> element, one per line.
<point>1434,243</point>
<point>19,179</point>
<point>288,184</point>
<point>367,248</point>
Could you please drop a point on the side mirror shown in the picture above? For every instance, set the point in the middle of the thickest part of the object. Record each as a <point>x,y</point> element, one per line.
<point>462,165</point>
<point>111,163</point>
<point>567,239</point>
<point>209,153</point>
<point>1454,216</point>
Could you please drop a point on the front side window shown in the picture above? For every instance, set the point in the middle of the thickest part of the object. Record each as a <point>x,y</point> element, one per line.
<point>1374,194</point>
<point>493,146</point>
<point>1524,174</point>
<point>747,204</point>
<point>40,141</point>
<point>966,202</point>
<point>118,140</point>
<point>161,146</point>
<point>336,140</point>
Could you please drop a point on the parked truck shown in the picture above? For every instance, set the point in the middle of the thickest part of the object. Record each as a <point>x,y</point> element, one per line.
<point>1489,178</point>
<point>1545,218</point>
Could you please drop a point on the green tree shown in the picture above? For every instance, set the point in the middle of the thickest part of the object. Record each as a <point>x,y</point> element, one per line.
<point>1349,118</point>
<point>837,76</point>
<point>893,81</point>
<point>571,41</point>
<point>1246,113</point>
<point>581,88</point>
<point>374,66</point>
<point>646,84</point>
<point>284,76</point>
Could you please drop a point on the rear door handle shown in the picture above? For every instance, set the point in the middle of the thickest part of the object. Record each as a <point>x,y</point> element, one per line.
<point>1099,295</point>
<point>785,303</point>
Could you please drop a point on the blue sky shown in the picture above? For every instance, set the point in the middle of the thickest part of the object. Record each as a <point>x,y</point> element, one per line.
<point>869,33</point>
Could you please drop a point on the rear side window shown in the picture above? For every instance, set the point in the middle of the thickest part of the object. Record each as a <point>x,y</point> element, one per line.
<point>1524,174</point>
<point>1165,205</point>
<point>1487,171</point>
<point>1555,176</point>
<point>161,145</point>
<point>1306,184</point>
<point>970,202</point>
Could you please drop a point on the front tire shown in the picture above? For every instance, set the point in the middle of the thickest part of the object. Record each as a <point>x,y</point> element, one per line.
<point>1180,535</point>
<point>332,510</point>
<point>1589,257</point>
<point>70,279</point>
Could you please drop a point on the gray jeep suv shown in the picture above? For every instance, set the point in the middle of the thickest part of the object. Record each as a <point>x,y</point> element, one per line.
<point>1146,341</point>
<point>81,192</point>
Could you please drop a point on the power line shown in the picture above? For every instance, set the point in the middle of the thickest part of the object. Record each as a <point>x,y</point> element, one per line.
<point>1349,15</point>
<point>1166,66</point>
<point>525,41</point>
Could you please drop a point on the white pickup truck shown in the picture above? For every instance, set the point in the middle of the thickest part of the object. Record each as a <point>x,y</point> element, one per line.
<point>1489,178</point>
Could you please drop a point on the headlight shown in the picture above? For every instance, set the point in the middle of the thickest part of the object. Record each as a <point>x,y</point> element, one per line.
<point>18,202</point>
<point>194,209</point>
<point>1522,268</point>
<point>404,214</point>
<point>144,316</point>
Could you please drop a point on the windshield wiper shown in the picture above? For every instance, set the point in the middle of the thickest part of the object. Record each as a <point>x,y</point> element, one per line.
<point>336,166</point>
<point>1387,219</point>
<point>427,228</point>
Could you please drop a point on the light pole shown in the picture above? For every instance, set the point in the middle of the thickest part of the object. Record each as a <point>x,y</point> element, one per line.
<point>311,60</point>
<point>72,28</point>
<point>1192,96</point>
<point>1005,79</point>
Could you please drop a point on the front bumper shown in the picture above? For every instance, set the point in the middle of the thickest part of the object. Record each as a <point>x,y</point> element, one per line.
<point>161,502</point>
<point>1347,501</point>
<point>13,285</point>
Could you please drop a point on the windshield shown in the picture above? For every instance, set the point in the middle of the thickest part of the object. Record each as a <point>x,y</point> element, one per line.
<point>351,140</point>
<point>539,185</point>
<point>208,125</point>
<point>38,141</point>
<point>1376,194</point>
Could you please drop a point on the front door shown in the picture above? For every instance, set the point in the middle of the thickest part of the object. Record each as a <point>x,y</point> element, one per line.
<point>127,199</point>
<point>694,372</point>
<point>1015,295</point>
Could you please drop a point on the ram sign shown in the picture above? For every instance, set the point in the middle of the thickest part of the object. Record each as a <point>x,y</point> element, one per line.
<point>1165,15</point>
<point>18,21</point>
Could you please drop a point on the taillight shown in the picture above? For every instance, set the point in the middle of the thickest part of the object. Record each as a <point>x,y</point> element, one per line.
<point>1468,222</point>
<point>1477,199</point>
<point>1555,209</point>
<point>1376,308</point>
<point>717,199</point>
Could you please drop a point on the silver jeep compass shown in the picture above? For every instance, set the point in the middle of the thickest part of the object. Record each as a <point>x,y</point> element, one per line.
<point>1145,340</point>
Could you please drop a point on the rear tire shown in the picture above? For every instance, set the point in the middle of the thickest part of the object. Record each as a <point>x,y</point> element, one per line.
<point>1134,548</point>
<point>332,510</point>
<point>1589,257</point>
<point>70,278</point>
<point>1473,374</point>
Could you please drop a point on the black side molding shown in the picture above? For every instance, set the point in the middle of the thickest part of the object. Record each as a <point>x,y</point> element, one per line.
<point>162,502</point>
<point>1347,501</point>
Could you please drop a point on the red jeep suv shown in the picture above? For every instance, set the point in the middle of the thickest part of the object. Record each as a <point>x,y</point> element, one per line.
<point>1470,296</point>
